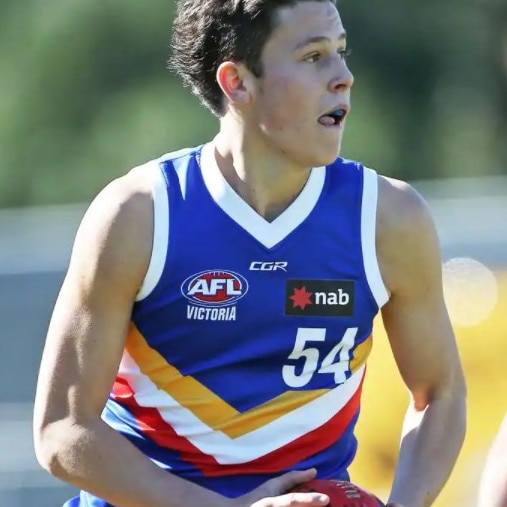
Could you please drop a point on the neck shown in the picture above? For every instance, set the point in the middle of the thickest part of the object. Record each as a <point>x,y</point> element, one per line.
<point>264,178</point>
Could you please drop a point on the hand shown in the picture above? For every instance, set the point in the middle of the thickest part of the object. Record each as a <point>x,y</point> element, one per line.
<point>273,493</point>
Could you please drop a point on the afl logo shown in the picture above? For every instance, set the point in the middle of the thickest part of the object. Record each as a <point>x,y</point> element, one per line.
<point>214,288</point>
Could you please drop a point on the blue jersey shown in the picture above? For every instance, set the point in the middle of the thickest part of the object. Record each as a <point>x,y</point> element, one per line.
<point>248,342</point>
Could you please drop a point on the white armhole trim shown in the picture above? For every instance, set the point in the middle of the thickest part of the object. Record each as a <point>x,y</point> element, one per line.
<point>160,231</point>
<point>368,236</point>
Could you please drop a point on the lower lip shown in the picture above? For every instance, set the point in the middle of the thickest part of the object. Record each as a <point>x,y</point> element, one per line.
<point>338,126</point>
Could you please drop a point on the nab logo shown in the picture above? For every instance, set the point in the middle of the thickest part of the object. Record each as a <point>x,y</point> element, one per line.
<point>320,298</point>
<point>268,266</point>
<point>214,288</point>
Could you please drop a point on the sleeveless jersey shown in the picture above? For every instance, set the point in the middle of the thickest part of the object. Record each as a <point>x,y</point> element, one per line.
<point>248,342</point>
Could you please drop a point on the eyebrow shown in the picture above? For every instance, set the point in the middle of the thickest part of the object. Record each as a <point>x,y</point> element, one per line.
<point>318,38</point>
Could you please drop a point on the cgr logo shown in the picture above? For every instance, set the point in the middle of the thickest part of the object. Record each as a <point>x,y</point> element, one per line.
<point>214,288</point>
<point>321,298</point>
<point>268,266</point>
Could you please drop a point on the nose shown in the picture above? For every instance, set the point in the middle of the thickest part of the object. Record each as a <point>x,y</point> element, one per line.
<point>343,81</point>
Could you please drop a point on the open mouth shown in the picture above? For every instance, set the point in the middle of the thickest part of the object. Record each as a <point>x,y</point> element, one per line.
<point>334,118</point>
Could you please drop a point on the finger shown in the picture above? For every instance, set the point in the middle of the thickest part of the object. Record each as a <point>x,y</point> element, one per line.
<point>278,486</point>
<point>294,500</point>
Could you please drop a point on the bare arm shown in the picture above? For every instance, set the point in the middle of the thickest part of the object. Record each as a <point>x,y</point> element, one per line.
<point>493,483</point>
<point>423,345</point>
<point>83,349</point>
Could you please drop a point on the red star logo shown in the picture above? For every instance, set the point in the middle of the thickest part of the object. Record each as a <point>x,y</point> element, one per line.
<point>301,298</point>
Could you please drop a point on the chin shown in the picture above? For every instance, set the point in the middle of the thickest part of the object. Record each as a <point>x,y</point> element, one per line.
<point>326,156</point>
<point>317,154</point>
<point>317,160</point>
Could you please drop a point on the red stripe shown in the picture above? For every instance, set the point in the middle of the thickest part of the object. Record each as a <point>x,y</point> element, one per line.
<point>154,427</point>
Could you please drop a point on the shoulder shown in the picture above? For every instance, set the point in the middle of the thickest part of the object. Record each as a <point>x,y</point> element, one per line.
<point>407,240</point>
<point>116,233</point>
<point>125,202</point>
<point>401,207</point>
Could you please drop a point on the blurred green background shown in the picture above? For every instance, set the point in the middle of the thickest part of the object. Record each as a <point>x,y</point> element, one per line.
<point>84,93</point>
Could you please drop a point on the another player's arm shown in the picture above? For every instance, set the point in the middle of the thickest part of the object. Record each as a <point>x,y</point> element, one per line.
<point>493,482</point>
<point>423,345</point>
<point>83,349</point>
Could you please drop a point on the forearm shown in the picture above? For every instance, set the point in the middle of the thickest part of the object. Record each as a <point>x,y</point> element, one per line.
<point>493,484</point>
<point>429,448</point>
<point>95,458</point>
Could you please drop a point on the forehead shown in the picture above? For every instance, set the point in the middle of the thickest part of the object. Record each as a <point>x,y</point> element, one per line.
<point>306,20</point>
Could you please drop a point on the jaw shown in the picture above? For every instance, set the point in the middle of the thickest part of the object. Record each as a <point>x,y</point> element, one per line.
<point>284,142</point>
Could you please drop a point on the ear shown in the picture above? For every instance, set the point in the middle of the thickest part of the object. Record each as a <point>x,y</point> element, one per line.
<point>235,82</point>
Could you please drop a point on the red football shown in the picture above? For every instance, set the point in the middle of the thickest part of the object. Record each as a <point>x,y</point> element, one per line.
<point>340,493</point>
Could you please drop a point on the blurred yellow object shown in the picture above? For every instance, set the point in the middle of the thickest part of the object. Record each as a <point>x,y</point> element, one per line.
<point>483,349</point>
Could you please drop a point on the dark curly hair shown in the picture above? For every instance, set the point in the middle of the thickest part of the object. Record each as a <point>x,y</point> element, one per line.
<point>209,32</point>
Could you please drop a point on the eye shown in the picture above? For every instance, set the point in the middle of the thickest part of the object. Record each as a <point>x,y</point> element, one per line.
<point>344,53</point>
<point>313,58</point>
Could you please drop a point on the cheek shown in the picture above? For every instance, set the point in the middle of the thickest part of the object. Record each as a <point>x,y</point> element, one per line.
<point>285,105</point>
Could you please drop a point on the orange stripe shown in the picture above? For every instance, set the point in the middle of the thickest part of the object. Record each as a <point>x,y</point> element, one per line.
<point>187,391</point>
<point>206,405</point>
<point>267,412</point>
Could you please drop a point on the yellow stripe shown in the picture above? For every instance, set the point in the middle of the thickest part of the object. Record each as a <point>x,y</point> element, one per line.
<point>361,353</point>
<point>210,408</point>
<point>267,412</point>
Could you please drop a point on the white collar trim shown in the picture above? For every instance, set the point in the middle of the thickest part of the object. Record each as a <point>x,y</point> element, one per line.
<point>267,233</point>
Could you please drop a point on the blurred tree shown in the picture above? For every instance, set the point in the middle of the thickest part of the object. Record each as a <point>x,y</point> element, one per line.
<point>84,93</point>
